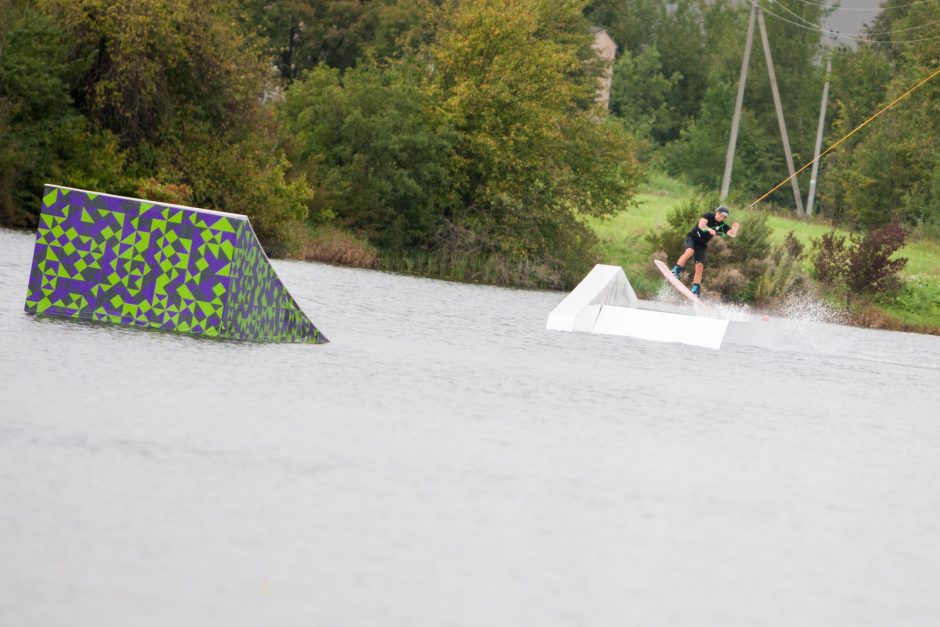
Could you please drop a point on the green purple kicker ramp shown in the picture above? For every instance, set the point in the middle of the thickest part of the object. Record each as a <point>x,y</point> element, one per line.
<point>149,264</point>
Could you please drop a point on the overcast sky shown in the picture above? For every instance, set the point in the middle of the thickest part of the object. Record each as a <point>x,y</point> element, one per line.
<point>848,18</point>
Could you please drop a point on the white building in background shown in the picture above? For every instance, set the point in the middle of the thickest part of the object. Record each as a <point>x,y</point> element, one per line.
<point>607,50</point>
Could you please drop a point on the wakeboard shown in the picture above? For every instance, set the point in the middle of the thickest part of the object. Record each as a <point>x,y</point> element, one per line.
<point>676,283</point>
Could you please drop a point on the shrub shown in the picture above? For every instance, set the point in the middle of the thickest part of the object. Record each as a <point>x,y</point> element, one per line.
<point>734,266</point>
<point>753,242</point>
<point>829,258</point>
<point>864,264</point>
<point>870,266</point>
<point>679,221</point>
<point>728,282</point>
<point>329,244</point>
<point>793,246</point>
<point>153,189</point>
<point>783,277</point>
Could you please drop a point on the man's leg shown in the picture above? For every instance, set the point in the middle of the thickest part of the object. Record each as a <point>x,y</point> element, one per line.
<point>697,279</point>
<point>684,259</point>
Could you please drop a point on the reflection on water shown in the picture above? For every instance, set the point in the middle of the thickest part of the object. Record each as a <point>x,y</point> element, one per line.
<point>447,461</point>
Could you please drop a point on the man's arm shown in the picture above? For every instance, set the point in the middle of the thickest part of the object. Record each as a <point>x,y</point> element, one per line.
<point>703,225</point>
<point>734,230</point>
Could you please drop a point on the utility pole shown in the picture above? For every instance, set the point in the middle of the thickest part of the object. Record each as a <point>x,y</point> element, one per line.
<point>819,138</point>
<point>797,196</point>
<point>738,103</point>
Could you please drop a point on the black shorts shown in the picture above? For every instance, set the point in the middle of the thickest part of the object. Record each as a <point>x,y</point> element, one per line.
<point>699,255</point>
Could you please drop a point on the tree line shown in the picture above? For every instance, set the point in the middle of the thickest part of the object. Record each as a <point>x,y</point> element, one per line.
<point>418,125</point>
<point>676,78</point>
<point>456,129</point>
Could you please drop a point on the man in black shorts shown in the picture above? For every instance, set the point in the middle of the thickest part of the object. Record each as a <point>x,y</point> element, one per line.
<point>709,225</point>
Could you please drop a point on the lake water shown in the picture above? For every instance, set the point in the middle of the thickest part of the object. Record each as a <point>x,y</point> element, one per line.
<point>445,460</point>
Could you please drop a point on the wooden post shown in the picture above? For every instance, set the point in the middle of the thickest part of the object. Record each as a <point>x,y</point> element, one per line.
<point>797,196</point>
<point>819,137</point>
<point>738,103</point>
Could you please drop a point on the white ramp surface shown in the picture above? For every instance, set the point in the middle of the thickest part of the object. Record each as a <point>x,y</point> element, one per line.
<point>604,285</point>
<point>604,302</point>
<point>661,326</point>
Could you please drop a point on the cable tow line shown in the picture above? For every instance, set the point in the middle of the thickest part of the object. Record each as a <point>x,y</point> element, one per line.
<point>847,135</point>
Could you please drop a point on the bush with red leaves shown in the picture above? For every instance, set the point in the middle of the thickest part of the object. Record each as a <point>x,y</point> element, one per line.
<point>829,257</point>
<point>864,263</point>
<point>871,268</point>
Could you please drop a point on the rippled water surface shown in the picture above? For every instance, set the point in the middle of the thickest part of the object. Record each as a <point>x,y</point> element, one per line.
<point>445,460</point>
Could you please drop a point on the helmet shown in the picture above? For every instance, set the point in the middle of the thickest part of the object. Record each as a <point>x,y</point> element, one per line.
<point>724,210</point>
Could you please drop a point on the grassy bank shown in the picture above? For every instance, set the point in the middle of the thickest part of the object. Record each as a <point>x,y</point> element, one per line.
<point>334,245</point>
<point>622,243</point>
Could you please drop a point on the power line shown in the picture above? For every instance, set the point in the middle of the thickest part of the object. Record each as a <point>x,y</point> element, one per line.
<point>849,134</point>
<point>891,8</point>
<point>887,32</point>
<point>854,36</point>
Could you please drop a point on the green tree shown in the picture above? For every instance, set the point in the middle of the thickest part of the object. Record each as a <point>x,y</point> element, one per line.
<point>45,139</point>
<point>374,149</point>
<point>633,25</point>
<point>883,167</point>
<point>700,43</point>
<point>245,176</point>
<point>699,154</point>
<point>692,38</point>
<point>304,33</point>
<point>759,158</point>
<point>859,86</point>
<point>153,60</point>
<point>642,96</point>
<point>180,84</point>
<point>532,153</point>
<point>889,169</point>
